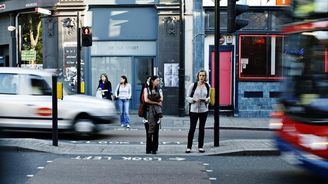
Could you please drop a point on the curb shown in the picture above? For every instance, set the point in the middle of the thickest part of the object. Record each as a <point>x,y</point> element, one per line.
<point>249,153</point>
<point>231,153</point>
<point>242,128</point>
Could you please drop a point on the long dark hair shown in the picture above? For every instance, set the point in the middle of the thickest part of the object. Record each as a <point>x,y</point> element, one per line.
<point>125,79</point>
<point>151,82</point>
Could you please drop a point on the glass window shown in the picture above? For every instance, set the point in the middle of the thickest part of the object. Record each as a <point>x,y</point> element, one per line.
<point>114,67</point>
<point>260,56</point>
<point>257,20</point>
<point>278,19</point>
<point>39,86</point>
<point>8,83</point>
<point>210,20</point>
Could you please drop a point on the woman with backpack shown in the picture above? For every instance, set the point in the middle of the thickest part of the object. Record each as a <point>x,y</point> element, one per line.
<point>198,96</point>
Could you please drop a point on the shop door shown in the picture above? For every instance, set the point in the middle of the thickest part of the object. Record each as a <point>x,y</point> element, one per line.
<point>143,67</point>
<point>225,76</point>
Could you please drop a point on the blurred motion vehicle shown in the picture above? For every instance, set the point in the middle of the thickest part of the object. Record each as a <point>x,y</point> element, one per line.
<point>26,103</point>
<point>301,118</point>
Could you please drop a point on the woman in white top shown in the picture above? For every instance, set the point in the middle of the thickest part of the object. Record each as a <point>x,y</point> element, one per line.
<point>123,94</point>
<point>198,96</point>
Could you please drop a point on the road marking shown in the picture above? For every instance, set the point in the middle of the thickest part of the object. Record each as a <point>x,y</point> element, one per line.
<point>124,142</point>
<point>177,159</point>
<point>209,170</point>
<point>92,158</point>
<point>142,158</point>
<point>206,164</point>
<point>29,175</point>
<point>40,167</point>
<point>49,161</point>
<point>128,158</point>
<point>212,179</point>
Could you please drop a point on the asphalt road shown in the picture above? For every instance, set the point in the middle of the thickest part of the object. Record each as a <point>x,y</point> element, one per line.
<point>36,167</point>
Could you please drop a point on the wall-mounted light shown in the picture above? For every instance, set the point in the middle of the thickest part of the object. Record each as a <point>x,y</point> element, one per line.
<point>11,28</point>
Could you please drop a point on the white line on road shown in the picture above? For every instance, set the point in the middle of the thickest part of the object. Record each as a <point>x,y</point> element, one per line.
<point>177,159</point>
<point>212,179</point>
<point>30,175</point>
<point>40,167</point>
<point>49,161</point>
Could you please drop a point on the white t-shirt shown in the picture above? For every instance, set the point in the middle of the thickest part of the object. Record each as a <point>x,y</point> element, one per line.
<point>123,92</point>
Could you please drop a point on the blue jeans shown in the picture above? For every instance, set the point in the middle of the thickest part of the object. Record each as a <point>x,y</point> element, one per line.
<point>123,106</point>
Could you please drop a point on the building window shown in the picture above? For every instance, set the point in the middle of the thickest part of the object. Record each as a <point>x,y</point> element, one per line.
<point>259,20</point>
<point>260,57</point>
<point>278,20</point>
<point>210,20</point>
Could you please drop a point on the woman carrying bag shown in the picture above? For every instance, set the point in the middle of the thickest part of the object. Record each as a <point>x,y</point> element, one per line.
<point>153,97</point>
<point>104,87</point>
<point>123,95</point>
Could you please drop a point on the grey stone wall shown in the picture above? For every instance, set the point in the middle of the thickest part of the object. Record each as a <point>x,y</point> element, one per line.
<point>168,52</point>
<point>50,42</point>
<point>255,99</point>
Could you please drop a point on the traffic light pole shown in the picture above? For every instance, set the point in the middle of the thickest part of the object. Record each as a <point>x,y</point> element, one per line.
<point>78,54</point>
<point>217,75</point>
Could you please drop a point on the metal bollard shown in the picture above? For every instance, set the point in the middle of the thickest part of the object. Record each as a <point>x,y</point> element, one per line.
<point>54,112</point>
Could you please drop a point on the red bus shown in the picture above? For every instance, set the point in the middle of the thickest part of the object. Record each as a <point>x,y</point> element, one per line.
<point>302,126</point>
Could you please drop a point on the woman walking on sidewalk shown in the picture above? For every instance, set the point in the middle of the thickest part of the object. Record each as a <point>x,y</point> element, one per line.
<point>198,96</point>
<point>123,95</point>
<point>153,97</point>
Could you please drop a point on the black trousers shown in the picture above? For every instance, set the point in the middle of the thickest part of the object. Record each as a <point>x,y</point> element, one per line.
<point>193,123</point>
<point>151,139</point>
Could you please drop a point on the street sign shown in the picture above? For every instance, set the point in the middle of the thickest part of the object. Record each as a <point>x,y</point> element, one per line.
<point>28,55</point>
<point>43,11</point>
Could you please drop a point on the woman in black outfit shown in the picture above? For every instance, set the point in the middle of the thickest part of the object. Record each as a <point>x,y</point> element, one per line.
<point>105,87</point>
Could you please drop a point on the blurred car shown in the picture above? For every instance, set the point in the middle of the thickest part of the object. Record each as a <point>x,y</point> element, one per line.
<point>26,103</point>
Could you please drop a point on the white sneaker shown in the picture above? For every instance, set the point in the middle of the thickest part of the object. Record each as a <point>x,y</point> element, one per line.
<point>122,125</point>
<point>127,126</point>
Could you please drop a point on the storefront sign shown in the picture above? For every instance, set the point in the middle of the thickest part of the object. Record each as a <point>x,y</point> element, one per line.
<point>210,3</point>
<point>115,2</point>
<point>124,48</point>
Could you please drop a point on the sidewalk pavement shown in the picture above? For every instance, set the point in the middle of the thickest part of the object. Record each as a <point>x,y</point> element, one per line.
<point>226,147</point>
<point>224,121</point>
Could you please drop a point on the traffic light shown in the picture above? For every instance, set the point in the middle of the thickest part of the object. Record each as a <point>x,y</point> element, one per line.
<point>234,10</point>
<point>86,36</point>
